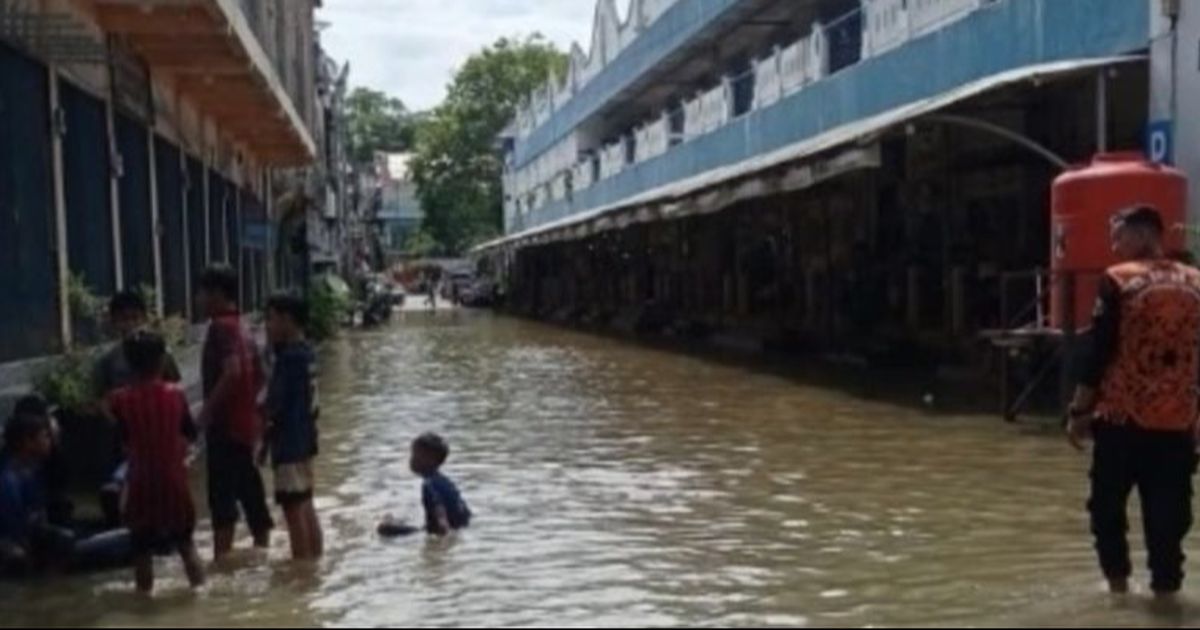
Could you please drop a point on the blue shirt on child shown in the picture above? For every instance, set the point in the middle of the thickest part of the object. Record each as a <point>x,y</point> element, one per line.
<point>438,490</point>
<point>21,501</point>
<point>292,404</point>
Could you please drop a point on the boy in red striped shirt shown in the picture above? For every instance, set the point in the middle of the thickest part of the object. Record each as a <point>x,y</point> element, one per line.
<point>156,426</point>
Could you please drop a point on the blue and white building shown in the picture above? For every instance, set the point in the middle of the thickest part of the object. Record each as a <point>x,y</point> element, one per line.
<point>927,132</point>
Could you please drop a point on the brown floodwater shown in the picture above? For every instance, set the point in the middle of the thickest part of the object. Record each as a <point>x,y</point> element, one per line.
<point>615,485</point>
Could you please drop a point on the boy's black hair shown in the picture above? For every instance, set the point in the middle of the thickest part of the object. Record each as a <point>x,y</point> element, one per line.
<point>221,279</point>
<point>433,444</point>
<point>32,405</point>
<point>22,427</point>
<point>1146,217</point>
<point>127,301</point>
<point>145,352</point>
<point>291,306</point>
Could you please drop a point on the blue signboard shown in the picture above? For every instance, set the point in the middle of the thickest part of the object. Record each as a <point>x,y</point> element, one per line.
<point>1160,142</point>
<point>256,234</point>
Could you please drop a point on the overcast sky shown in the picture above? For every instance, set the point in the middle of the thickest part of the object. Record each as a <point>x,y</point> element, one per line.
<point>410,48</point>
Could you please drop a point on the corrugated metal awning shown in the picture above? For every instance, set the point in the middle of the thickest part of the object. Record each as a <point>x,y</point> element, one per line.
<point>710,191</point>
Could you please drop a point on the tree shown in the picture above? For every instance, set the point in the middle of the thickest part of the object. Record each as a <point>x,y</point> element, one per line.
<point>378,122</point>
<point>420,244</point>
<point>456,166</point>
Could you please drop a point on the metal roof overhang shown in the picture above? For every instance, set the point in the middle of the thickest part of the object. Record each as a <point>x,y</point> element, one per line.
<point>711,191</point>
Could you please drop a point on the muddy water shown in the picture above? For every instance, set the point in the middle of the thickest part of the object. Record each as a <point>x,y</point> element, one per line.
<point>619,485</point>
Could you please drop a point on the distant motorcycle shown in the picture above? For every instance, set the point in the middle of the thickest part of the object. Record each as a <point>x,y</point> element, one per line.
<point>378,308</point>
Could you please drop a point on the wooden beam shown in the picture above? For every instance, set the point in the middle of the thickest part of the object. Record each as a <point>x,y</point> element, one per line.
<point>171,42</point>
<point>219,71</point>
<point>151,19</point>
<point>218,86</point>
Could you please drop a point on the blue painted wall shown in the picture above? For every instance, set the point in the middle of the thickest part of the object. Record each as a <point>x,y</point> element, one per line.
<point>670,31</point>
<point>1006,35</point>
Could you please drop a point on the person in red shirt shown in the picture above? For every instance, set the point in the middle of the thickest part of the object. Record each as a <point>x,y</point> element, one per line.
<point>233,378</point>
<point>156,426</point>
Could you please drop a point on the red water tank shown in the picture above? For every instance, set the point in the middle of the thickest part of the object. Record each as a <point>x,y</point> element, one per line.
<point>1084,202</point>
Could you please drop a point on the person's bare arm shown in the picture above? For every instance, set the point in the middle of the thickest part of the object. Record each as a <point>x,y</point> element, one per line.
<point>443,520</point>
<point>231,372</point>
<point>232,348</point>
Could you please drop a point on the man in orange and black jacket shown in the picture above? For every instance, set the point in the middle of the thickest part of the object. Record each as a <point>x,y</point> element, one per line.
<point>1138,399</point>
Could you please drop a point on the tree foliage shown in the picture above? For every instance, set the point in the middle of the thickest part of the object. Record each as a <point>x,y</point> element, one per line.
<point>378,122</point>
<point>456,166</point>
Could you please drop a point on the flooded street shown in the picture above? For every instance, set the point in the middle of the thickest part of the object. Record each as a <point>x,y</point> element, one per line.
<point>616,485</point>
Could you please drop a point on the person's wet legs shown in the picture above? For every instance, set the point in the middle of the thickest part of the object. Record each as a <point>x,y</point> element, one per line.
<point>1165,487</point>
<point>192,564</point>
<point>1112,483</point>
<point>143,570</point>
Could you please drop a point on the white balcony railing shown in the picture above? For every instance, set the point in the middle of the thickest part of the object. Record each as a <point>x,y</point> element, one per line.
<point>886,24</point>
<point>768,82</point>
<point>612,160</point>
<point>653,140</point>
<point>582,175</point>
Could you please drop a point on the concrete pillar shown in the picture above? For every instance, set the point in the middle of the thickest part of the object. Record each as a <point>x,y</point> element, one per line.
<point>60,211</point>
<point>1175,87</point>
<point>156,229</point>
<point>914,298</point>
<point>114,193</point>
<point>958,301</point>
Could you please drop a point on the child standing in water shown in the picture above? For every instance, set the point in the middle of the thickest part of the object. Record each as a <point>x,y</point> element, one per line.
<point>292,415</point>
<point>156,426</point>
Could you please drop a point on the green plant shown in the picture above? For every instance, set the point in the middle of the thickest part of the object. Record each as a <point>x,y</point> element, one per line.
<point>173,329</point>
<point>85,304</point>
<point>327,309</point>
<point>68,382</point>
<point>149,296</point>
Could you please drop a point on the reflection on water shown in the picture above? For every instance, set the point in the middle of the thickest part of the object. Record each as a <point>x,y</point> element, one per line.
<point>617,485</point>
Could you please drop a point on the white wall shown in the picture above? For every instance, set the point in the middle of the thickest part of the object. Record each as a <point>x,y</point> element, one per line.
<point>1187,122</point>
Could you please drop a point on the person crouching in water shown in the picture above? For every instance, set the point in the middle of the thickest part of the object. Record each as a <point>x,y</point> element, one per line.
<point>292,414</point>
<point>28,542</point>
<point>1137,399</point>
<point>156,427</point>
<point>445,509</point>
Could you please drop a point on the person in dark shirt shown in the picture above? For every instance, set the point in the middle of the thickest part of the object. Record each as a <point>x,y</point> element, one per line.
<point>233,377</point>
<point>156,426</point>
<point>127,314</point>
<point>445,509</point>
<point>23,517</point>
<point>292,423</point>
<point>1137,399</point>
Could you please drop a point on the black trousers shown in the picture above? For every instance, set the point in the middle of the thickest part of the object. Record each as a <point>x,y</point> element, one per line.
<point>1160,466</point>
<point>233,480</point>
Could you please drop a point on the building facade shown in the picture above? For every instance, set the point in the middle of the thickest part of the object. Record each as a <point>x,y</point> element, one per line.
<point>871,174</point>
<point>400,213</point>
<point>144,141</point>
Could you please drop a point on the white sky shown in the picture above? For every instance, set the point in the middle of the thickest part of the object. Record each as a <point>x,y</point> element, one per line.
<point>410,48</point>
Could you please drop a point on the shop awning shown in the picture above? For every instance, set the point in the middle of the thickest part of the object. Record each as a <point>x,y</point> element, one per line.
<point>718,188</point>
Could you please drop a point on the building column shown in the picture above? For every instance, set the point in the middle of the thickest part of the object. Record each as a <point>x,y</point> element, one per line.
<point>205,165</point>
<point>185,197</point>
<point>60,209</point>
<point>115,170</point>
<point>156,227</point>
<point>268,201</point>
<point>1175,91</point>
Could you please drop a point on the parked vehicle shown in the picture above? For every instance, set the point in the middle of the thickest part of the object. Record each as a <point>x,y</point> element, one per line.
<point>480,294</point>
<point>398,295</point>
<point>378,305</point>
